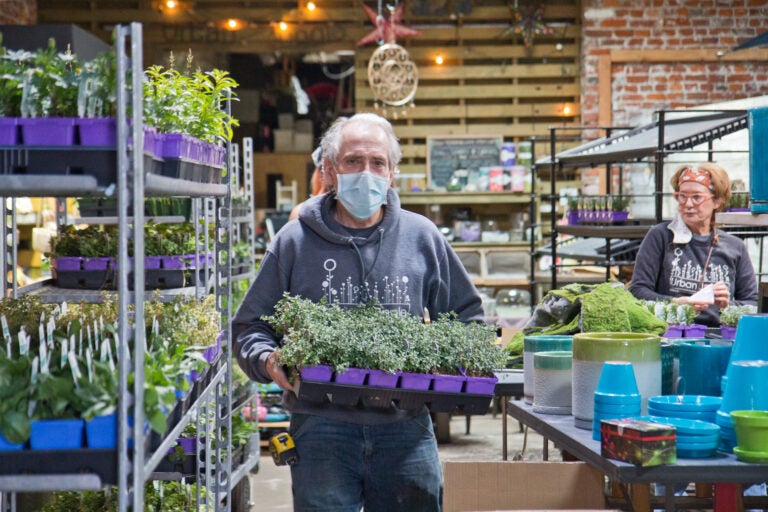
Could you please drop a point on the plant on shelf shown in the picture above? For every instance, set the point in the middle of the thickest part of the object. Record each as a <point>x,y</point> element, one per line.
<point>619,203</point>
<point>50,86</point>
<point>739,201</point>
<point>188,102</point>
<point>12,66</point>
<point>92,241</point>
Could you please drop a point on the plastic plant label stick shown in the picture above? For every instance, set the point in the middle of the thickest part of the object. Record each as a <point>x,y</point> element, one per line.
<point>23,342</point>
<point>44,359</point>
<point>75,370</point>
<point>65,351</point>
<point>6,335</point>
<point>89,364</point>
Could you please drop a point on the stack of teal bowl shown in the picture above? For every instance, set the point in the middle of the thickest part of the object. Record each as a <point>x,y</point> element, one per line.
<point>690,407</point>
<point>616,395</point>
<point>694,439</point>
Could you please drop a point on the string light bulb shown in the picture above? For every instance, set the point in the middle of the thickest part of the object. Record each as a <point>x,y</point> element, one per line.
<point>171,4</point>
<point>283,26</point>
<point>233,24</point>
<point>439,60</point>
<point>311,6</point>
<point>566,109</point>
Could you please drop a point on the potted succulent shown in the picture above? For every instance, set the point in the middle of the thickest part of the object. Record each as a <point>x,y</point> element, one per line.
<point>729,319</point>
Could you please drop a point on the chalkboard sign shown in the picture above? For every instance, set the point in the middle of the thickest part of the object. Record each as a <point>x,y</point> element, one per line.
<point>446,154</point>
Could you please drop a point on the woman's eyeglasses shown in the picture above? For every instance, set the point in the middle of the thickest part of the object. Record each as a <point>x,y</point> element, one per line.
<point>696,199</point>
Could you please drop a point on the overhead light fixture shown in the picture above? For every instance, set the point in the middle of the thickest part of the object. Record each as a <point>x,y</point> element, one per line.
<point>233,24</point>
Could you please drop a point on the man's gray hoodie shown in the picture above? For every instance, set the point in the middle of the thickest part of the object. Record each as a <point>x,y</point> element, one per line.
<point>404,263</point>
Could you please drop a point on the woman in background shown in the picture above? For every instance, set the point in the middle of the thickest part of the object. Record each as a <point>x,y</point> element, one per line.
<point>679,258</point>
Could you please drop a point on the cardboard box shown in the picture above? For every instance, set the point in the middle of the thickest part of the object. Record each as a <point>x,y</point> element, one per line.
<point>303,142</point>
<point>638,442</point>
<point>521,485</point>
<point>283,140</point>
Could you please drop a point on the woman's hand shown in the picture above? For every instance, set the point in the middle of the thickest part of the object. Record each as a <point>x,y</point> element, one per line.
<point>277,374</point>
<point>722,294</point>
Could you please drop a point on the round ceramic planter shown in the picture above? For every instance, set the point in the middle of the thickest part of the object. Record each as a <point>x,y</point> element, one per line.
<point>591,350</point>
<point>552,382</point>
<point>533,344</point>
<point>751,430</point>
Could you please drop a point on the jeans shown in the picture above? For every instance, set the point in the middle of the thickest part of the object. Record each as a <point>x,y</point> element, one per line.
<point>343,466</point>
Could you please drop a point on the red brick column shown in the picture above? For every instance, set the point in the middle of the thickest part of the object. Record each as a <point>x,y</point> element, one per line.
<point>639,88</point>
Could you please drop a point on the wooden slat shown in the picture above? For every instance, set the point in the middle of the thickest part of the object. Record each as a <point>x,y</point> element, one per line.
<point>486,91</point>
<point>493,72</point>
<point>495,110</point>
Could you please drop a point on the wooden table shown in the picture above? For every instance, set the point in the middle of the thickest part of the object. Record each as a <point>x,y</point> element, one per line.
<point>724,471</point>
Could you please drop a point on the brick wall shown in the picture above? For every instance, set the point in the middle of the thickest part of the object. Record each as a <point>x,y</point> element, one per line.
<point>639,88</point>
<point>18,12</point>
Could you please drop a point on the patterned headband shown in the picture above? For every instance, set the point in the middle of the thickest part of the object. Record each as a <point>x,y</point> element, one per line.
<point>696,175</point>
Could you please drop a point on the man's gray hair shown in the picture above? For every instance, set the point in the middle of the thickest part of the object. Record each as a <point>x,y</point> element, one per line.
<point>331,141</point>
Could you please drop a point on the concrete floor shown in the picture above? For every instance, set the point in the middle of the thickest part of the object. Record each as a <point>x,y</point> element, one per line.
<point>271,486</point>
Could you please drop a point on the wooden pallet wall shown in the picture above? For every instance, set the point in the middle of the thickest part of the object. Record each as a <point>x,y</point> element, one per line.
<point>489,83</point>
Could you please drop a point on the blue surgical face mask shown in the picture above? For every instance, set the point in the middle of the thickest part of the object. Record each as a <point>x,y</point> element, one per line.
<point>362,193</point>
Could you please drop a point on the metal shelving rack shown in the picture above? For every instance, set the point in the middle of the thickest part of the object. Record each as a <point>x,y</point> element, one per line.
<point>672,132</point>
<point>128,467</point>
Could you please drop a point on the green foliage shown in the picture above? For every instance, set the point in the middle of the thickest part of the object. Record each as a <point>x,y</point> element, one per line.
<point>368,336</point>
<point>739,200</point>
<point>50,85</point>
<point>189,102</point>
<point>730,315</point>
<point>91,241</point>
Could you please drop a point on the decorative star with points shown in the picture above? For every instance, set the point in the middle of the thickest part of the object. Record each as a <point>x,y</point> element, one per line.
<point>387,29</point>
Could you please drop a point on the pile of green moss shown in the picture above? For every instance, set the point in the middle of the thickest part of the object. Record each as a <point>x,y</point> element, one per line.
<point>606,307</point>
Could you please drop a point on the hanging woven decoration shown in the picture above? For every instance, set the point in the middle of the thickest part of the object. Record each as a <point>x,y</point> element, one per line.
<point>392,75</point>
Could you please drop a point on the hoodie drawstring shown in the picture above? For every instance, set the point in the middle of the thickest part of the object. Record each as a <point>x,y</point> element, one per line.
<point>363,274</point>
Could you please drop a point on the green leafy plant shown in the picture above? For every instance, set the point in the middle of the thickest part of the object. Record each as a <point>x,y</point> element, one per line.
<point>13,63</point>
<point>369,336</point>
<point>730,315</point>
<point>91,241</point>
<point>50,86</point>
<point>189,102</point>
<point>619,203</point>
<point>739,200</point>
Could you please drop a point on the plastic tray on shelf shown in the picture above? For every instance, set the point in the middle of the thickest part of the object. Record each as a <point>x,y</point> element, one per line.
<point>101,462</point>
<point>42,161</point>
<point>374,396</point>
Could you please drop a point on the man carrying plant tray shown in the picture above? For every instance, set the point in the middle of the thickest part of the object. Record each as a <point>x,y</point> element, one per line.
<point>355,245</point>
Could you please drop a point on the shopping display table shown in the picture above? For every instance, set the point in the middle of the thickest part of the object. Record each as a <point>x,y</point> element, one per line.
<point>723,470</point>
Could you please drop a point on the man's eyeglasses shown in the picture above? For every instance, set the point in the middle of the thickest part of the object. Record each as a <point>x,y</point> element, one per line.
<point>696,199</point>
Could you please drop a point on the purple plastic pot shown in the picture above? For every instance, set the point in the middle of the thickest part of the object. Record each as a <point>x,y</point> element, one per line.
<point>728,332</point>
<point>187,443</point>
<point>48,131</point>
<point>383,379</point>
<point>211,353</point>
<point>480,385</point>
<point>419,381</point>
<point>9,131</point>
<point>68,263</point>
<point>175,261</point>
<point>176,145</point>
<point>619,216</point>
<point>152,262</point>
<point>318,373</point>
<point>448,383</point>
<point>573,218</point>
<point>695,331</point>
<point>355,376</point>
<point>96,263</point>
<point>674,331</point>
<point>97,131</point>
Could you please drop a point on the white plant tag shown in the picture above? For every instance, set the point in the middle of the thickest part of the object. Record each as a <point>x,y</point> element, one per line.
<point>89,364</point>
<point>35,370</point>
<point>705,296</point>
<point>44,360</point>
<point>23,342</point>
<point>6,335</point>
<point>75,370</point>
<point>51,330</point>
<point>65,351</point>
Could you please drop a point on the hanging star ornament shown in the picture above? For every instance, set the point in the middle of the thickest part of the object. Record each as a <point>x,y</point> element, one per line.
<point>387,29</point>
<point>528,21</point>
